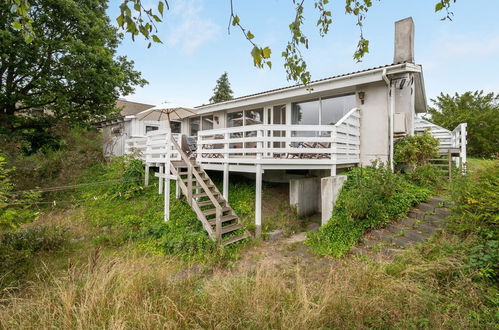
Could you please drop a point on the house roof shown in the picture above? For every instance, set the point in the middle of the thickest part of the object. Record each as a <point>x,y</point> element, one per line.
<point>127,108</point>
<point>321,85</point>
<point>297,85</point>
<point>131,108</point>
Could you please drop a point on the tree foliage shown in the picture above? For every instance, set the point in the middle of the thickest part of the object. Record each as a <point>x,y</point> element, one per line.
<point>222,91</point>
<point>479,110</point>
<point>137,19</point>
<point>69,65</point>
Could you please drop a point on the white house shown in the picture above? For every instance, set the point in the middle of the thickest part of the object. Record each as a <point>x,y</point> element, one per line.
<point>304,135</point>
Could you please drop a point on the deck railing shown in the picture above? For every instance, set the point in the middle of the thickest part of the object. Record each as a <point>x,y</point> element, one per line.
<point>153,147</point>
<point>283,144</point>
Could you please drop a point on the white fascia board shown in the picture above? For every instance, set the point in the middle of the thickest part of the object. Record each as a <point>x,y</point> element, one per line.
<point>318,87</point>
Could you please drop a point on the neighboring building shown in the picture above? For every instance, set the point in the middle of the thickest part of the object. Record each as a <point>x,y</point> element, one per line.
<point>115,131</point>
<point>302,134</point>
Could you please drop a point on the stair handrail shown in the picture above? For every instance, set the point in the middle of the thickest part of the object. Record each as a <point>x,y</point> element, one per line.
<point>218,207</point>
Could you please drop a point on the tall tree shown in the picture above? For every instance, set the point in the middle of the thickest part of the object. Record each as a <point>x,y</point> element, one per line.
<point>70,66</point>
<point>222,91</point>
<point>479,110</point>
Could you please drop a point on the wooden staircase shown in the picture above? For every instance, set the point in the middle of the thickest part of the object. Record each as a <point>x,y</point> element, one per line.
<point>212,209</point>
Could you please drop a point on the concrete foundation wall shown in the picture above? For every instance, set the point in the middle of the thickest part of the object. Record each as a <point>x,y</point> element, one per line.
<point>305,195</point>
<point>330,190</point>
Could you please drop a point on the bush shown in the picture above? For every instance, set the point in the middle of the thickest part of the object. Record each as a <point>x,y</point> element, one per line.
<point>53,166</point>
<point>428,176</point>
<point>131,173</point>
<point>476,214</point>
<point>416,150</point>
<point>19,247</point>
<point>370,198</point>
<point>15,208</point>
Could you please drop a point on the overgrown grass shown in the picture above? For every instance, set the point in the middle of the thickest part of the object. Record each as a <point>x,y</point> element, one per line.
<point>370,199</point>
<point>426,288</point>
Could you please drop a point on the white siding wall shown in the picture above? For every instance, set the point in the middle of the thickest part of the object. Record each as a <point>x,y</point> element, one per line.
<point>374,127</point>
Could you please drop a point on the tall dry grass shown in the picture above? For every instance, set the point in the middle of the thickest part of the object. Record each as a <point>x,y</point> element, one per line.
<point>140,292</point>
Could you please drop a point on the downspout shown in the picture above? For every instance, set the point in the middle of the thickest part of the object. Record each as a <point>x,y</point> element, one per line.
<point>391,101</point>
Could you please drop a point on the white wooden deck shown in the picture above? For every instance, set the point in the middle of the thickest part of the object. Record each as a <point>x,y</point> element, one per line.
<point>453,142</point>
<point>269,146</point>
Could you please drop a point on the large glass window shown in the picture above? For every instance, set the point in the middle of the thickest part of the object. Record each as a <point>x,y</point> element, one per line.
<point>175,126</point>
<point>207,122</point>
<point>235,119</point>
<point>151,128</point>
<point>194,126</point>
<point>279,118</point>
<point>334,108</point>
<point>305,113</point>
<point>253,117</point>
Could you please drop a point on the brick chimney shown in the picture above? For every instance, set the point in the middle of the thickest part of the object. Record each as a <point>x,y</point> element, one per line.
<point>404,41</point>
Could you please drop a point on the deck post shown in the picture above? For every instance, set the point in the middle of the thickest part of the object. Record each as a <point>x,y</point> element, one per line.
<point>334,153</point>
<point>160,177</point>
<point>146,175</point>
<point>177,189</point>
<point>167,177</point>
<point>226,182</point>
<point>258,187</point>
<point>258,201</point>
<point>226,168</point>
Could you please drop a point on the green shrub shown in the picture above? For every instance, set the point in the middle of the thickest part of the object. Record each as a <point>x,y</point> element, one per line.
<point>415,150</point>
<point>428,176</point>
<point>131,172</point>
<point>20,246</point>
<point>15,208</point>
<point>370,198</point>
<point>77,150</point>
<point>476,201</point>
<point>476,209</point>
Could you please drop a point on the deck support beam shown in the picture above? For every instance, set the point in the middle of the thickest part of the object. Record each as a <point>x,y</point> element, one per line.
<point>177,189</point>
<point>161,171</point>
<point>146,176</point>
<point>258,201</point>
<point>226,182</point>
<point>167,177</point>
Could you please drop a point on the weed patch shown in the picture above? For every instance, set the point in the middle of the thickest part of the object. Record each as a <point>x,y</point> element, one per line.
<point>370,198</point>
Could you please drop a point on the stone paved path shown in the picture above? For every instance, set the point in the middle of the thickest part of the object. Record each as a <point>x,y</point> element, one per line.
<point>423,221</point>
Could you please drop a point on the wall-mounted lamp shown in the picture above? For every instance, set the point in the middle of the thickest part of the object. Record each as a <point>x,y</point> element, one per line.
<point>361,96</point>
<point>216,119</point>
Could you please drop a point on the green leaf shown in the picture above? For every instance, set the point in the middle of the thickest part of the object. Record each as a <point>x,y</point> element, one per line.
<point>119,20</point>
<point>439,6</point>
<point>235,20</point>
<point>269,64</point>
<point>17,25</point>
<point>161,6</point>
<point>250,35</point>
<point>155,38</point>
<point>266,52</point>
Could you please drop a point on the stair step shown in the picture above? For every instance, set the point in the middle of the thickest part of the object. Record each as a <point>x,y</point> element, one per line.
<point>200,187</point>
<point>234,239</point>
<point>209,203</point>
<point>205,194</point>
<point>231,228</point>
<point>225,218</point>
<point>214,211</point>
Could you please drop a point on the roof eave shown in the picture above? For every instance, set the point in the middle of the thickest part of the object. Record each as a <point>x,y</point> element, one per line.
<point>357,78</point>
